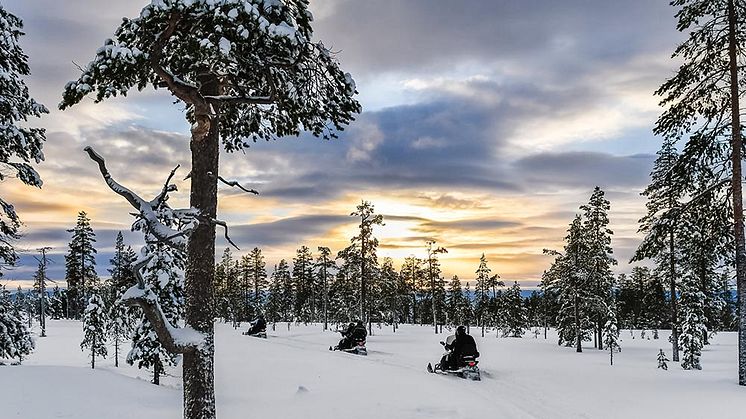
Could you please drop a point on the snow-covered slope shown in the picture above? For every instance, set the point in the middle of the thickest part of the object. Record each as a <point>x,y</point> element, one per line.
<point>292,374</point>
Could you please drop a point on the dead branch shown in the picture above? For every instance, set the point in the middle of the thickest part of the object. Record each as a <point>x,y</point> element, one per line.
<point>235,184</point>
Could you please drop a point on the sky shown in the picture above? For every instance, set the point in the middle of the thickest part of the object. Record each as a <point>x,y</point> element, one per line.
<point>485,125</point>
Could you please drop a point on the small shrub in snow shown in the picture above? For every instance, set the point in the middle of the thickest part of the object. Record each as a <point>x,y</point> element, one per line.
<point>662,360</point>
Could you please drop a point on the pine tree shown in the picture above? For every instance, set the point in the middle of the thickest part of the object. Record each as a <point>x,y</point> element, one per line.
<point>702,106</point>
<point>285,293</point>
<point>304,283</point>
<point>344,293</point>
<point>482,292</point>
<point>411,273</point>
<point>662,360</point>
<point>661,231</point>
<point>15,337</point>
<point>708,242</point>
<point>255,277</point>
<point>80,264</point>
<point>436,288</point>
<point>325,267</point>
<point>367,245</point>
<point>515,312</point>
<point>390,293</point>
<point>19,145</point>
<point>225,277</point>
<point>94,327</point>
<point>244,73</point>
<point>727,316</point>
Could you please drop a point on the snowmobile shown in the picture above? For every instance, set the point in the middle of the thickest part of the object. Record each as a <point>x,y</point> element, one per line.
<point>467,369</point>
<point>259,334</point>
<point>358,348</point>
<point>257,328</point>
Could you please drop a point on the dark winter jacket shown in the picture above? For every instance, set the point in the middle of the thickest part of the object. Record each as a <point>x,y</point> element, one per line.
<point>355,332</point>
<point>463,345</point>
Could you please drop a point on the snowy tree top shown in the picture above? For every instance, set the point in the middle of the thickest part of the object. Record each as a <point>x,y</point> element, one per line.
<point>18,145</point>
<point>272,79</point>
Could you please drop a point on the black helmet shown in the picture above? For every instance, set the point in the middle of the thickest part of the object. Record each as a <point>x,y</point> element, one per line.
<point>461,330</point>
<point>359,322</point>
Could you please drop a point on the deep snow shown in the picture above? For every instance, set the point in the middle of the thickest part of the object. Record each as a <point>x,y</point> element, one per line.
<point>292,374</point>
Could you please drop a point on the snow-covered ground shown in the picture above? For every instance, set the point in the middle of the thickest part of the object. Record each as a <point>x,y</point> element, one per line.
<point>293,375</point>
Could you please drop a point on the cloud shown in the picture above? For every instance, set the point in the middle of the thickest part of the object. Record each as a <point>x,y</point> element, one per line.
<point>291,231</point>
<point>574,168</point>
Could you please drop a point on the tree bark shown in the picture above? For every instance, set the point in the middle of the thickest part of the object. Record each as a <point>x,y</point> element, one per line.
<point>199,289</point>
<point>156,373</point>
<point>674,308</point>
<point>578,341</point>
<point>736,144</point>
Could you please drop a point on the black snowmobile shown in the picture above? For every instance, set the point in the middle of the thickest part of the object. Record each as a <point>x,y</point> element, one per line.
<point>353,340</point>
<point>465,367</point>
<point>258,328</point>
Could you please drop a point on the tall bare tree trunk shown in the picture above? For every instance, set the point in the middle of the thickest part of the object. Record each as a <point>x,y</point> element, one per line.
<point>736,144</point>
<point>198,369</point>
<point>578,340</point>
<point>674,297</point>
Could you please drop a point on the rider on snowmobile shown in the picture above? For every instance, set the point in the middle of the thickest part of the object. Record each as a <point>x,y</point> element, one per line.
<point>354,332</point>
<point>458,346</point>
<point>257,326</point>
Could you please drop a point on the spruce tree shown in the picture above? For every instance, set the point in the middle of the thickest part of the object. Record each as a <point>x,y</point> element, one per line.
<point>611,334</point>
<point>80,264</point>
<point>164,274</point>
<point>515,312</point>
<point>600,261</point>
<point>121,317</point>
<point>567,279</point>
<point>662,360</point>
<point>15,336</point>
<point>467,308</point>
<point>19,144</point>
<point>693,329</point>
<point>455,302</point>
<point>56,303</point>
<point>94,327</point>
